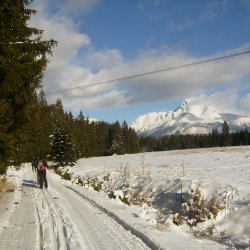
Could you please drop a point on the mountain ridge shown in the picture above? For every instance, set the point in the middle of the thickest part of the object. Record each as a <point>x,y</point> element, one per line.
<point>188,118</point>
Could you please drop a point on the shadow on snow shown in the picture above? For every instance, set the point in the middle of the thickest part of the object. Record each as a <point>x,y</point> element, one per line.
<point>30,183</point>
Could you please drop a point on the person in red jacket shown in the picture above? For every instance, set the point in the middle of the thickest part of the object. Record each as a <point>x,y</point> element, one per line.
<point>41,170</point>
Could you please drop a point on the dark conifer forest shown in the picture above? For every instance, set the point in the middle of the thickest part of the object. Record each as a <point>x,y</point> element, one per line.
<point>225,138</point>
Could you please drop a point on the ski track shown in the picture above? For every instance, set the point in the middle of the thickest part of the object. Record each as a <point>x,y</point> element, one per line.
<point>58,218</point>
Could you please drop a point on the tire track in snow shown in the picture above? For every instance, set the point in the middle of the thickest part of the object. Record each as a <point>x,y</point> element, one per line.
<point>67,227</point>
<point>56,231</point>
<point>95,229</point>
<point>134,232</point>
<point>40,229</point>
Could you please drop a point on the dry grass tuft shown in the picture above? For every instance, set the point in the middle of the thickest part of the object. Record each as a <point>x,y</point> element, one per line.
<point>6,186</point>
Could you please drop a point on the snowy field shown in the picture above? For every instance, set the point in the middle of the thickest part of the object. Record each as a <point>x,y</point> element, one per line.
<point>163,199</point>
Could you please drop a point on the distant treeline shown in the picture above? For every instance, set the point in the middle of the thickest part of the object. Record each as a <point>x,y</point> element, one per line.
<point>214,139</point>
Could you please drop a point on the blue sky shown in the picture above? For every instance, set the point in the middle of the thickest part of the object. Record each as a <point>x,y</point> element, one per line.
<point>99,40</point>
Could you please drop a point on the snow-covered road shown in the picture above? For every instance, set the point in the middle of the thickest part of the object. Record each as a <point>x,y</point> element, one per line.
<point>58,218</point>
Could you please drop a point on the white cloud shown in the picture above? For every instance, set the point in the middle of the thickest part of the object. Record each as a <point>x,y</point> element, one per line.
<point>221,101</point>
<point>110,99</point>
<point>98,60</point>
<point>62,71</point>
<point>65,7</point>
<point>75,6</point>
<point>245,103</point>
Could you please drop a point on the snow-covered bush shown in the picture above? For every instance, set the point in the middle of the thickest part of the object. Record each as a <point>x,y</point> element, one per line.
<point>93,182</point>
<point>136,197</point>
<point>66,176</point>
<point>63,173</point>
<point>96,184</point>
<point>206,232</point>
<point>120,180</point>
<point>199,208</point>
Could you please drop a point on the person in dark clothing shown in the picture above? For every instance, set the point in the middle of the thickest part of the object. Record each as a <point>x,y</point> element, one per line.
<point>34,164</point>
<point>41,170</point>
<point>34,167</point>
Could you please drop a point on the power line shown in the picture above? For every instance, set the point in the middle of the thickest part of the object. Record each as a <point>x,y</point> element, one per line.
<point>150,73</point>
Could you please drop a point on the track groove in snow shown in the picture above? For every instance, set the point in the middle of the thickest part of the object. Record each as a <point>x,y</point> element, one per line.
<point>131,229</point>
<point>94,227</point>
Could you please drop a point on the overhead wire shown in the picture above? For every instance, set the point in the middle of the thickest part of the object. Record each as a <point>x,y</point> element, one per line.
<point>149,73</point>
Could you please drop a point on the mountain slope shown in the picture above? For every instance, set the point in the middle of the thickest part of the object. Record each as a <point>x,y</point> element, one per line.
<point>187,119</point>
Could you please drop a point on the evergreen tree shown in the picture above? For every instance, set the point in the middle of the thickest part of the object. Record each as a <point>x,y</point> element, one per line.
<point>215,138</point>
<point>92,139</point>
<point>132,142</point>
<point>22,63</point>
<point>244,137</point>
<point>80,136</point>
<point>6,139</point>
<point>117,139</point>
<point>61,150</point>
<point>39,128</point>
<point>102,132</point>
<point>225,133</point>
<point>58,112</point>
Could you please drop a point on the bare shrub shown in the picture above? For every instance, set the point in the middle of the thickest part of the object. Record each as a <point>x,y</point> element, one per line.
<point>125,173</point>
<point>95,183</point>
<point>178,219</point>
<point>66,176</point>
<point>80,181</point>
<point>161,227</point>
<point>137,199</point>
<point>6,186</point>
<point>63,174</point>
<point>215,205</point>
<point>161,221</point>
<point>209,232</point>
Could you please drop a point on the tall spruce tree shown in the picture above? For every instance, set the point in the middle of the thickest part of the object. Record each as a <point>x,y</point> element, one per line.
<point>215,138</point>
<point>62,144</point>
<point>80,135</point>
<point>39,128</point>
<point>226,136</point>
<point>61,150</point>
<point>22,63</point>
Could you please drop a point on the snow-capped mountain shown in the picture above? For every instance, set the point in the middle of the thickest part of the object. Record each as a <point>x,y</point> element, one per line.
<point>187,119</point>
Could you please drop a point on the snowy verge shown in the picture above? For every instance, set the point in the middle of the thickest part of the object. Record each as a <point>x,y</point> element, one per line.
<point>10,200</point>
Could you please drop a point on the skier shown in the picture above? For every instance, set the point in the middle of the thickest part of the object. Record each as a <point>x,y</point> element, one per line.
<point>41,170</point>
<point>34,164</point>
